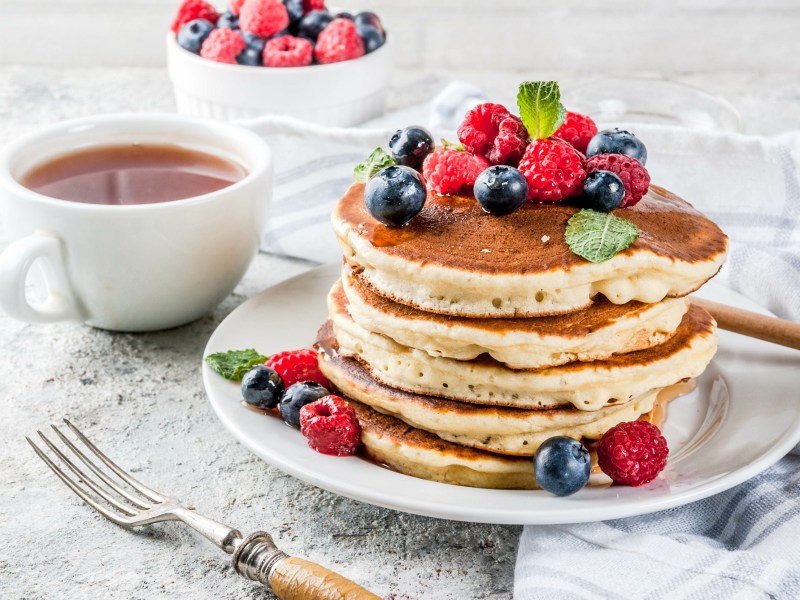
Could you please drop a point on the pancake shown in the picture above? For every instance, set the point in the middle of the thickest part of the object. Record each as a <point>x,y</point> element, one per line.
<point>502,430</point>
<point>455,259</point>
<point>588,386</point>
<point>391,442</point>
<point>598,332</point>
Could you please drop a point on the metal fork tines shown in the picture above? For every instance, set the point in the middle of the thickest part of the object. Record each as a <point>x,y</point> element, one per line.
<point>118,496</point>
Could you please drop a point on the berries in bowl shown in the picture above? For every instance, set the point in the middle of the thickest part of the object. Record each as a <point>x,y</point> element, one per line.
<point>278,57</point>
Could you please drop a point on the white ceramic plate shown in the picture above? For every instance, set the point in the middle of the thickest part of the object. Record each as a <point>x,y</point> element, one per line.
<point>743,417</point>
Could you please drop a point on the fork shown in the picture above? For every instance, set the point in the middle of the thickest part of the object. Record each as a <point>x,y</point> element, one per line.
<point>134,504</point>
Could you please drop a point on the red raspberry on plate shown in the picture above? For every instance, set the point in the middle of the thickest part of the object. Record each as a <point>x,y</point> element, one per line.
<point>309,5</point>
<point>577,130</point>
<point>339,41</point>
<point>632,453</point>
<point>494,133</point>
<point>449,171</point>
<point>288,51</point>
<point>297,365</point>
<point>190,10</point>
<point>223,45</point>
<point>634,176</point>
<point>264,18</point>
<point>330,426</point>
<point>554,170</point>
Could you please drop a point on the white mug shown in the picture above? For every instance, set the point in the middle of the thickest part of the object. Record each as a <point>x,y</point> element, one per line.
<point>139,267</point>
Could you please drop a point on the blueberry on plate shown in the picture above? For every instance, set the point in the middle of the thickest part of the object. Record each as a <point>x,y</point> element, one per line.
<point>410,146</point>
<point>562,465</point>
<point>395,195</point>
<point>603,190</point>
<point>254,41</point>
<point>296,396</point>
<point>262,386</point>
<point>192,35</point>
<point>500,190</point>
<point>372,38</point>
<point>229,20</point>
<point>370,18</point>
<point>312,24</point>
<point>617,141</point>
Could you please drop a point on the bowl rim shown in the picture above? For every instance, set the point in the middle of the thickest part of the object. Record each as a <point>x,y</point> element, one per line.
<point>196,59</point>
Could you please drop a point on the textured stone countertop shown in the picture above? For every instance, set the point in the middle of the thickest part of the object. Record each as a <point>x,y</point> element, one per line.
<point>141,397</point>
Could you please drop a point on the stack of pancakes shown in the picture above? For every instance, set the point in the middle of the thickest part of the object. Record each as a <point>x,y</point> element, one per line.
<point>466,340</point>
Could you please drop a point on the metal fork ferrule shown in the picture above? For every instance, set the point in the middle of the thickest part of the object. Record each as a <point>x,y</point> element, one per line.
<point>256,557</point>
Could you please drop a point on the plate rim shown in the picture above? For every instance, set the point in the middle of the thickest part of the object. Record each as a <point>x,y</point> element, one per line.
<point>497,515</point>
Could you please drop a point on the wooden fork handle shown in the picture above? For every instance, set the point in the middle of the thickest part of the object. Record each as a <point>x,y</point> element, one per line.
<point>298,579</point>
<point>292,578</point>
<point>745,322</point>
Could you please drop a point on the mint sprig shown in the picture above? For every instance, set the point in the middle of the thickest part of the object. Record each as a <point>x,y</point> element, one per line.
<point>377,160</point>
<point>540,108</point>
<point>233,364</point>
<point>599,236</point>
<point>447,145</point>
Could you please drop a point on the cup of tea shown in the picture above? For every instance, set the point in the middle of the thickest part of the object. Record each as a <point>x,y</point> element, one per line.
<point>138,222</point>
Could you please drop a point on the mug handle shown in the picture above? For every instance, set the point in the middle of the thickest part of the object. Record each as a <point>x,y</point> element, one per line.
<point>15,265</point>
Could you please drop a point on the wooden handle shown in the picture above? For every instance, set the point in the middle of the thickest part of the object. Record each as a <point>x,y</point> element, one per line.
<point>297,579</point>
<point>745,322</point>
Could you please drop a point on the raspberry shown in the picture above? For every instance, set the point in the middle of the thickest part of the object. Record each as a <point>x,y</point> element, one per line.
<point>330,426</point>
<point>309,5</point>
<point>236,6</point>
<point>554,170</point>
<point>577,130</point>
<point>223,45</point>
<point>632,453</point>
<point>191,10</point>
<point>296,366</point>
<point>339,41</point>
<point>493,132</point>
<point>448,171</point>
<point>634,176</point>
<point>265,18</point>
<point>288,51</point>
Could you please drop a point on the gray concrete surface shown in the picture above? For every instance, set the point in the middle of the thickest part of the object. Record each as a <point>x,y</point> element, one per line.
<point>141,398</point>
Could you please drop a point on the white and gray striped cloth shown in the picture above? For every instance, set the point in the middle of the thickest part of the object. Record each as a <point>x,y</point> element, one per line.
<point>743,543</point>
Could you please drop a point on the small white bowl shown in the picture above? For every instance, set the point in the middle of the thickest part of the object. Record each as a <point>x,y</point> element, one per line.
<point>340,94</point>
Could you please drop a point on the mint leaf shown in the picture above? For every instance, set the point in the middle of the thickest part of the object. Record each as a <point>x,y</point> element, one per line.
<point>377,160</point>
<point>452,146</point>
<point>599,236</point>
<point>233,364</point>
<point>540,108</point>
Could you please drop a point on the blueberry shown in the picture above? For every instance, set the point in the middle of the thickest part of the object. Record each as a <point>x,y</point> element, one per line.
<point>254,41</point>
<point>395,195</point>
<point>295,10</point>
<point>192,35</point>
<point>312,24</point>
<point>370,18</point>
<point>372,37</point>
<point>562,465</point>
<point>617,141</point>
<point>262,387</point>
<point>229,20</point>
<point>296,397</point>
<point>250,57</point>
<point>500,190</point>
<point>603,190</point>
<point>411,145</point>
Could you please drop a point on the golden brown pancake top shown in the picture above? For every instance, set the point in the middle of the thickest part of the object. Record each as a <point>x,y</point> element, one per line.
<point>602,313</point>
<point>453,231</point>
